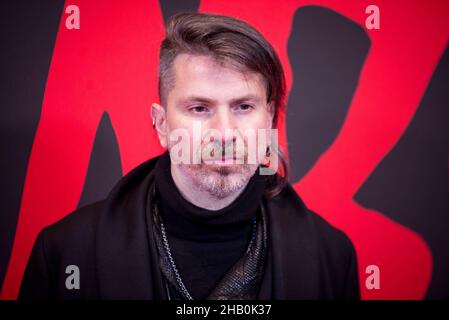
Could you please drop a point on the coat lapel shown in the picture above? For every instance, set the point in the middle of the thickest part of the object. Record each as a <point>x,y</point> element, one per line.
<point>293,251</point>
<point>125,254</point>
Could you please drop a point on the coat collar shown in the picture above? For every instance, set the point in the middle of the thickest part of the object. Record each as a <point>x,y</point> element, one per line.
<point>126,262</point>
<point>293,257</point>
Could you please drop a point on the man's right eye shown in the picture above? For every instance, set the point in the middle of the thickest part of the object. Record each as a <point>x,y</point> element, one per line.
<point>198,109</point>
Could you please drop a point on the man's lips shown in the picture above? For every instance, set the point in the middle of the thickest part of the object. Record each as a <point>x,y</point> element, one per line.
<point>224,161</point>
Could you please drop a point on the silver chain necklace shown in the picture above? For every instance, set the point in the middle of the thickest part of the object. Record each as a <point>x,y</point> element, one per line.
<point>181,285</point>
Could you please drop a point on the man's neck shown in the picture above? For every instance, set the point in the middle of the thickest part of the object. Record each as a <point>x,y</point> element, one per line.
<point>198,197</point>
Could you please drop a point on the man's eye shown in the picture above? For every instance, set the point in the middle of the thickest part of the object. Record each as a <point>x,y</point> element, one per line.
<point>244,107</point>
<point>198,109</point>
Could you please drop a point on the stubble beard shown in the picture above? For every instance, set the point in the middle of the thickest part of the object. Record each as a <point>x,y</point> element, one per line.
<point>219,181</point>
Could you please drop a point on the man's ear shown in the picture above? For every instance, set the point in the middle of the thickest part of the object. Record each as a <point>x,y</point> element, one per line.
<point>159,120</point>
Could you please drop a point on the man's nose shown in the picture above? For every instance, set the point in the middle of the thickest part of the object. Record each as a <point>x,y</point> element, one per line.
<point>223,120</point>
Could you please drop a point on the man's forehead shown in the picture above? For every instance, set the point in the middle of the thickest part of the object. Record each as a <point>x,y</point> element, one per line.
<point>197,75</point>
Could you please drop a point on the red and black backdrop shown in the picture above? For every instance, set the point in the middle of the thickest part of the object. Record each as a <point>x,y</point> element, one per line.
<point>366,125</point>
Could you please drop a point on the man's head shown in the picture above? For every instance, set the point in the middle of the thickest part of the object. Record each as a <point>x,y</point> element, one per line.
<point>222,74</point>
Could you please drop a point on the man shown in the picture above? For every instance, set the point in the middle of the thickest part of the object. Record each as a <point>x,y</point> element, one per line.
<point>201,221</point>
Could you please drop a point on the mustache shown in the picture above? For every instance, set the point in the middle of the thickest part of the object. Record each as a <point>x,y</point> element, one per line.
<point>221,149</point>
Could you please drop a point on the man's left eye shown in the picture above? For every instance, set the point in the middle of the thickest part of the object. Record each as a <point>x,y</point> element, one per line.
<point>198,109</point>
<point>244,107</point>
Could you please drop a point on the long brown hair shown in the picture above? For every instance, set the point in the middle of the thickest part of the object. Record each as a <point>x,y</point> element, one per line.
<point>228,41</point>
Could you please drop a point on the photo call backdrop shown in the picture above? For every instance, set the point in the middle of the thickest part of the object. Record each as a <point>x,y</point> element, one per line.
<point>366,126</point>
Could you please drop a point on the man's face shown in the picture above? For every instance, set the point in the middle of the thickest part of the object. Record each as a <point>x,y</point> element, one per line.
<point>214,97</point>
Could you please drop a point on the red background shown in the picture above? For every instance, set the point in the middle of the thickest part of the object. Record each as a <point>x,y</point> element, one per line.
<point>110,65</point>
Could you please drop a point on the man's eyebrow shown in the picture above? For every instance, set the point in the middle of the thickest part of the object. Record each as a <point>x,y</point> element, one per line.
<point>248,97</point>
<point>195,98</point>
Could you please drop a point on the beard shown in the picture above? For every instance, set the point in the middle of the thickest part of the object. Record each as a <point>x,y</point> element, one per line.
<point>219,181</point>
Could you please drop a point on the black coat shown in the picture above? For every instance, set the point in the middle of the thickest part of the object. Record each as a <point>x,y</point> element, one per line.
<point>111,244</point>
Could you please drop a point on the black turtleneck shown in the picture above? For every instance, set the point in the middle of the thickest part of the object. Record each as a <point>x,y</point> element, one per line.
<point>205,244</point>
